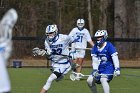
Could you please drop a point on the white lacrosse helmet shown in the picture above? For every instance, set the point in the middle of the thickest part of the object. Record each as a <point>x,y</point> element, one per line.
<point>80,23</point>
<point>101,34</point>
<point>51,31</point>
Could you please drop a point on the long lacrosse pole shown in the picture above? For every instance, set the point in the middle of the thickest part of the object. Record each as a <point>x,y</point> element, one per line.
<point>81,48</point>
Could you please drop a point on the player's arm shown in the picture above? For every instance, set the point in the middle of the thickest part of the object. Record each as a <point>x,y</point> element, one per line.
<point>95,62</point>
<point>116,64</point>
<point>91,43</point>
<point>88,37</point>
<point>41,52</point>
<point>95,65</point>
<point>115,60</point>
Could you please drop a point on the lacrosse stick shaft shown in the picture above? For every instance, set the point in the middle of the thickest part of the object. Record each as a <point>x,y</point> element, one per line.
<point>81,48</point>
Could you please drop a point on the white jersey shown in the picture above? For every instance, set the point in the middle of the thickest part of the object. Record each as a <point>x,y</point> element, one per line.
<point>59,48</point>
<point>82,36</point>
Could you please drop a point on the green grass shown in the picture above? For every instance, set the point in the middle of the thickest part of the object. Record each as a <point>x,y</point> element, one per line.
<point>31,80</point>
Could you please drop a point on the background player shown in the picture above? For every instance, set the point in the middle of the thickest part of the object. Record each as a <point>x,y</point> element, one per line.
<point>6,25</point>
<point>104,61</point>
<point>83,36</point>
<point>57,48</point>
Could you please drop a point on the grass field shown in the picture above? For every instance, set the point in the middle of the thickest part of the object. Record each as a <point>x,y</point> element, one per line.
<point>31,80</point>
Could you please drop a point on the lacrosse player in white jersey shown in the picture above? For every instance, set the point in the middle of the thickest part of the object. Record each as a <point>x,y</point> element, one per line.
<point>82,37</point>
<point>105,63</point>
<point>6,25</point>
<point>57,50</point>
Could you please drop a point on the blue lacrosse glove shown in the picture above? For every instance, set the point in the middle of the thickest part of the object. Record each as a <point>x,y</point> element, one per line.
<point>95,73</point>
<point>117,72</point>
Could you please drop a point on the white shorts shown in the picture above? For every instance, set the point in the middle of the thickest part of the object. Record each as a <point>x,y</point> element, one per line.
<point>79,54</point>
<point>61,68</point>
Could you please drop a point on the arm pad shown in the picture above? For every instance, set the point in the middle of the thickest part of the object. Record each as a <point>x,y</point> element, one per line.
<point>115,60</point>
<point>95,62</point>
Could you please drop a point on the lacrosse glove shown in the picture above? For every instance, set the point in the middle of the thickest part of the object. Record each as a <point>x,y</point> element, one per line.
<point>36,51</point>
<point>117,72</point>
<point>95,73</point>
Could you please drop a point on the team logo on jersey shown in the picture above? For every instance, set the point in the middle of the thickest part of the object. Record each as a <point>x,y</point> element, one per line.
<point>104,59</point>
<point>56,46</point>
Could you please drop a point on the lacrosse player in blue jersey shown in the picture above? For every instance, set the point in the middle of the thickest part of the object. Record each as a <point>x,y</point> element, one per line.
<point>105,63</point>
<point>6,25</point>
<point>57,50</point>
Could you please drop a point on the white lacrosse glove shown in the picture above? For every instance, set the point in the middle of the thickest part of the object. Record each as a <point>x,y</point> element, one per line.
<point>36,51</point>
<point>95,73</point>
<point>117,72</point>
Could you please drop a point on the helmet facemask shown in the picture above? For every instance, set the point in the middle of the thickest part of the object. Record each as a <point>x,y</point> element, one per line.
<point>80,23</point>
<point>51,35</point>
<point>51,32</point>
<point>100,42</point>
<point>101,36</point>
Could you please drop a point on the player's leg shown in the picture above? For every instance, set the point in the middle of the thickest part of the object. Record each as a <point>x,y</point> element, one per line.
<point>59,71</point>
<point>105,85</point>
<point>80,62</point>
<point>91,84</point>
<point>80,59</point>
<point>46,87</point>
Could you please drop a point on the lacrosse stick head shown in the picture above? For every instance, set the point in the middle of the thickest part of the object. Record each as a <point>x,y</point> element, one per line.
<point>77,76</point>
<point>72,77</point>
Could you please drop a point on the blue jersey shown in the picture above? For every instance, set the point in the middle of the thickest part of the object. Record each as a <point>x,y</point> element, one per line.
<point>103,54</point>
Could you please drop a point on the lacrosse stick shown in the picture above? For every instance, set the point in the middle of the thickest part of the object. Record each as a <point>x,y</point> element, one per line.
<point>81,48</point>
<point>74,74</point>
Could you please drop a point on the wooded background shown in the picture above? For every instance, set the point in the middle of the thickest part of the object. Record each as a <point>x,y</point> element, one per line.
<point>120,17</point>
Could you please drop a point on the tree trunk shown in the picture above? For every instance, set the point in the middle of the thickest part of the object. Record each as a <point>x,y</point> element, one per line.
<point>103,16</point>
<point>137,13</point>
<point>90,18</point>
<point>120,29</point>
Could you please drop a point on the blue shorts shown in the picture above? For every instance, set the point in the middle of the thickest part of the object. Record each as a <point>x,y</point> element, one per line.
<point>105,70</point>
